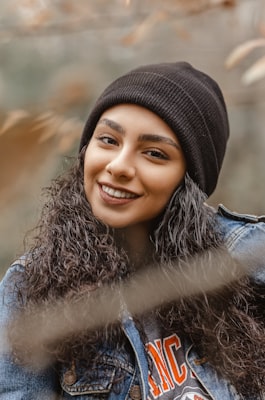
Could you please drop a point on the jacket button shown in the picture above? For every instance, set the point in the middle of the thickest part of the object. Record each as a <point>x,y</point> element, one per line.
<point>200,361</point>
<point>135,392</point>
<point>69,377</point>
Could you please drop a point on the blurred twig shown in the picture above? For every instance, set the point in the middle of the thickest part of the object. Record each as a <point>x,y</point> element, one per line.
<point>257,70</point>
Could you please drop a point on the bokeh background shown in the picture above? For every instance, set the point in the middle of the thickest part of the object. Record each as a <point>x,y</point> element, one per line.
<point>57,55</point>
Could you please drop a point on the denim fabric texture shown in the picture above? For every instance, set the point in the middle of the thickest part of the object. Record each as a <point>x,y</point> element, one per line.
<point>245,238</point>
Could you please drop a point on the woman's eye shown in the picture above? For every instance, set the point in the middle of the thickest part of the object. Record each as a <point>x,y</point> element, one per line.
<point>157,154</point>
<point>107,140</point>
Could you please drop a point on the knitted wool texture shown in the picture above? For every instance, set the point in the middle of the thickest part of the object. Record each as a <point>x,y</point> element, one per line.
<point>188,100</point>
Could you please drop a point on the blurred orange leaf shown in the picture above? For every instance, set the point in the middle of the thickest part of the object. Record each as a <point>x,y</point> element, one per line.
<point>71,93</point>
<point>28,3</point>
<point>241,51</point>
<point>21,157</point>
<point>50,127</point>
<point>40,121</point>
<point>36,141</point>
<point>183,33</point>
<point>197,6</point>
<point>143,29</point>
<point>70,131</point>
<point>79,8</point>
<point>39,19</point>
<point>261,28</point>
<point>255,72</point>
<point>13,118</point>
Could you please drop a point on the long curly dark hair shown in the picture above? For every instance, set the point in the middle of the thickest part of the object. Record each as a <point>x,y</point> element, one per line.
<point>73,252</point>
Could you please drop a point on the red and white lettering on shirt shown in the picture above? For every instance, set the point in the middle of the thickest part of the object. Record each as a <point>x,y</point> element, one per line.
<point>170,375</point>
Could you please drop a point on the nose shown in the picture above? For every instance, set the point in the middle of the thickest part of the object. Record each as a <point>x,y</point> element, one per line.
<point>122,166</point>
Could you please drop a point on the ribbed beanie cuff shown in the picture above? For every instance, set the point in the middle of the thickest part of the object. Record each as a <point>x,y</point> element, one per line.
<point>188,100</point>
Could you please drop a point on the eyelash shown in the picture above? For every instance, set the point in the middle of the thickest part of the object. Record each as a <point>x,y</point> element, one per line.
<point>154,153</point>
<point>159,154</point>
<point>103,138</point>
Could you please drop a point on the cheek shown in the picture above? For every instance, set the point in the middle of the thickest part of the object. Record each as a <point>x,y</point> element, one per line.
<point>174,177</point>
<point>90,170</point>
<point>92,163</point>
<point>164,184</point>
<point>167,188</point>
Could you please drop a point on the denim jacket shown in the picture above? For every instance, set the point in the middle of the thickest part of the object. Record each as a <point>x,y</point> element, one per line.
<point>245,238</point>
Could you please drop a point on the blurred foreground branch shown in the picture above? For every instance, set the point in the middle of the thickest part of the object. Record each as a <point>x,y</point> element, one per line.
<point>53,322</point>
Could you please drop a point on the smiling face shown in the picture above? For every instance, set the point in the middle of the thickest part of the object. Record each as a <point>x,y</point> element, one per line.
<point>133,163</point>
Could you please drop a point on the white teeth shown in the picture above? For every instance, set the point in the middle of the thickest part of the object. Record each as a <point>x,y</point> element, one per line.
<point>117,193</point>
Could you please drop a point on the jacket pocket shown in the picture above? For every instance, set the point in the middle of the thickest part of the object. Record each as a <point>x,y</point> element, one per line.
<point>97,381</point>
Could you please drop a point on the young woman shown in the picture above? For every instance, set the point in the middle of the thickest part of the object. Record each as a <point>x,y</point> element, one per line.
<point>134,201</point>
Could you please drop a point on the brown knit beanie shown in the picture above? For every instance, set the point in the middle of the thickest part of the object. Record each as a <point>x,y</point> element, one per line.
<point>188,100</point>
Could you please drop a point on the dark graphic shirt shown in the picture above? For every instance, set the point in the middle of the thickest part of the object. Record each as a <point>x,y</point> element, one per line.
<point>170,377</point>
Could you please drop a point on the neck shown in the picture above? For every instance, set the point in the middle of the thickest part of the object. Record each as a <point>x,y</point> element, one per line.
<point>137,244</point>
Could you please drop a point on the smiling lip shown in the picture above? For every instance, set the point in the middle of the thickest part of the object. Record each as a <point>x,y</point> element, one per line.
<point>113,195</point>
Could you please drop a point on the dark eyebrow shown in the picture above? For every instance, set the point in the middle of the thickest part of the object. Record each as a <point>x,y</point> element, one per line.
<point>149,137</point>
<point>112,124</point>
<point>145,137</point>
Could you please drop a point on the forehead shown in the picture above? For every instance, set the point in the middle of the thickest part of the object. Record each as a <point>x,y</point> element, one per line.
<point>132,116</point>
